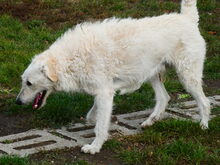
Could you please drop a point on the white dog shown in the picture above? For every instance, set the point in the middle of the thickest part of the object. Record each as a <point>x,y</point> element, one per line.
<point>120,54</point>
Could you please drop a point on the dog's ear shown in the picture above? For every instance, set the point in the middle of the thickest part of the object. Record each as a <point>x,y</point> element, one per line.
<point>49,69</point>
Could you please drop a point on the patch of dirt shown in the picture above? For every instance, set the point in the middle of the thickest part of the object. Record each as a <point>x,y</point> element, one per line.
<point>71,155</point>
<point>212,87</point>
<point>53,16</point>
<point>13,124</point>
<point>212,83</point>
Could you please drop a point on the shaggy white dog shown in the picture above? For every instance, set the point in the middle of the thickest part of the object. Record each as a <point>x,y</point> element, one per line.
<point>120,54</point>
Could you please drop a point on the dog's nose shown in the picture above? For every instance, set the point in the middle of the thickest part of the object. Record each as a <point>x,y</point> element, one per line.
<point>18,101</point>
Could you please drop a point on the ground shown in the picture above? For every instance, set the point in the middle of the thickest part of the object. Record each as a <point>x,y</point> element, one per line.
<point>29,27</point>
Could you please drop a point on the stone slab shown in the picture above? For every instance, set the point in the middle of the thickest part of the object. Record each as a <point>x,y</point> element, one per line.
<point>32,141</point>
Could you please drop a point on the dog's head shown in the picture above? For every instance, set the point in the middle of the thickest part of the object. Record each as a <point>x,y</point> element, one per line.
<point>38,81</point>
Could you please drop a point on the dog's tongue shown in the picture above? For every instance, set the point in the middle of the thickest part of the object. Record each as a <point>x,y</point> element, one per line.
<point>37,101</point>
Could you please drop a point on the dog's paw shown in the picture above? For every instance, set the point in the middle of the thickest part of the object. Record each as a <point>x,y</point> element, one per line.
<point>204,125</point>
<point>91,149</point>
<point>147,123</point>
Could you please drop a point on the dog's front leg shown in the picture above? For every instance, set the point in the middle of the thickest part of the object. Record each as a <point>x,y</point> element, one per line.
<point>104,101</point>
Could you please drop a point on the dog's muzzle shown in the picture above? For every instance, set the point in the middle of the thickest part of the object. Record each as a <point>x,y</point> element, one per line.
<point>18,101</point>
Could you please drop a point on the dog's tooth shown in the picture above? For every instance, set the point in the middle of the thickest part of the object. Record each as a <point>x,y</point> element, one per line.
<point>35,106</point>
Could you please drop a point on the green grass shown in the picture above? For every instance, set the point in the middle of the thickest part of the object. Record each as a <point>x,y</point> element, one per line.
<point>112,144</point>
<point>182,149</point>
<point>132,157</point>
<point>167,142</point>
<point>171,142</point>
<point>19,43</point>
<point>13,160</point>
<point>216,110</point>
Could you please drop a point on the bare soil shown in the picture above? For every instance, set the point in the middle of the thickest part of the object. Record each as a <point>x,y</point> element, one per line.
<point>13,124</point>
<point>60,157</point>
<point>54,17</point>
<point>212,84</point>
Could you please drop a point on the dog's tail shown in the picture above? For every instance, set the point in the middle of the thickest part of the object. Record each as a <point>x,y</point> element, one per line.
<point>188,8</point>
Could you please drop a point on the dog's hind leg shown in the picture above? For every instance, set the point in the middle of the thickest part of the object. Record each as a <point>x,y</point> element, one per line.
<point>162,99</point>
<point>189,61</point>
<point>91,115</point>
<point>192,81</point>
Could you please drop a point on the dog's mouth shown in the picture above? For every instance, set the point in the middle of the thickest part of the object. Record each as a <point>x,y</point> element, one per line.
<point>39,99</point>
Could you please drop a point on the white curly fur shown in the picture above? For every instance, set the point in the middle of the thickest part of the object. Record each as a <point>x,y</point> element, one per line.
<point>121,54</point>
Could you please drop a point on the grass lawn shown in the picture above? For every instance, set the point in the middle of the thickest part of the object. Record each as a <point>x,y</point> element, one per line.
<point>29,27</point>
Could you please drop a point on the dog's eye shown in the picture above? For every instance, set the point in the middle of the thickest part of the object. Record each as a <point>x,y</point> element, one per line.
<point>29,83</point>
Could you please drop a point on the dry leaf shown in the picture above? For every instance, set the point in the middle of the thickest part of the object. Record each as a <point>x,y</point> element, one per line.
<point>212,32</point>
